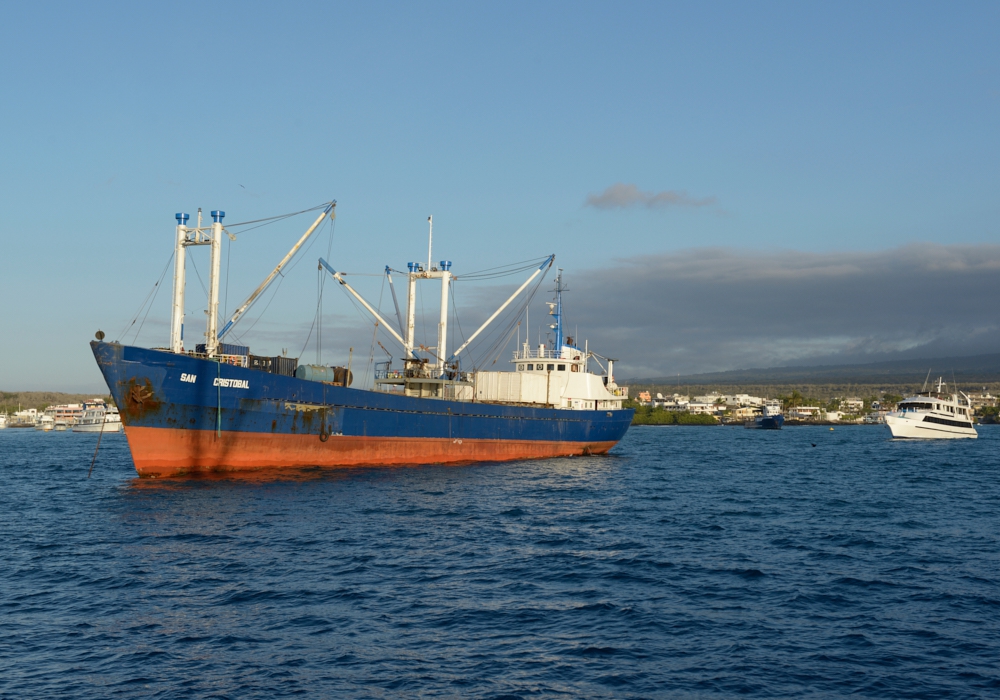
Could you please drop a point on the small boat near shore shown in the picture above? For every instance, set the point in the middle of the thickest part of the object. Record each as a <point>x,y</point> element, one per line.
<point>933,414</point>
<point>771,417</point>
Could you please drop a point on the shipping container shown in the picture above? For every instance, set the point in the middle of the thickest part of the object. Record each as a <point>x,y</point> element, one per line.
<point>265,364</point>
<point>224,349</point>
<point>284,366</point>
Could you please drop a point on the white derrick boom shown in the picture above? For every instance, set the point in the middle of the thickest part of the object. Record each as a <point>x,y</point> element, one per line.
<point>548,263</point>
<point>373,312</point>
<point>274,273</point>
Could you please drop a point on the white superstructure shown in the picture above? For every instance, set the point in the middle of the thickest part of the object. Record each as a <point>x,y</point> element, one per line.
<point>934,415</point>
<point>555,375</point>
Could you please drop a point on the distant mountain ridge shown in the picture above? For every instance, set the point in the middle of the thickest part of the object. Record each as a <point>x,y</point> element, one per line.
<point>974,369</point>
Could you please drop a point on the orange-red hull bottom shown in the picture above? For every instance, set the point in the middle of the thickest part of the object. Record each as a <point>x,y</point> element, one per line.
<point>164,452</point>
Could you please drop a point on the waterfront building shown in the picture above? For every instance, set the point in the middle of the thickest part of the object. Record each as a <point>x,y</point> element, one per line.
<point>852,405</point>
<point>805,412</point>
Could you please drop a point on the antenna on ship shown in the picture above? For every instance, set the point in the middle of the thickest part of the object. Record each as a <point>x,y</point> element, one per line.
<point>555,309</point>
<point>430,239</point>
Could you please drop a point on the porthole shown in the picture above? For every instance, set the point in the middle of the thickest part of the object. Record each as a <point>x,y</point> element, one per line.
<point>520,368</point>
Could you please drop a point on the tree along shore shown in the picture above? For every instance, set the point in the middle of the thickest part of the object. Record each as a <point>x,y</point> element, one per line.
<point>647,415</point>
<point>40,400</point>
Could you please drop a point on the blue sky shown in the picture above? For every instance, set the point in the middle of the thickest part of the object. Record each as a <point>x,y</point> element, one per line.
<point>766,127</point>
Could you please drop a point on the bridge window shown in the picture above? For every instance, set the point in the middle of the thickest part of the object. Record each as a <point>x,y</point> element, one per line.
<point>520,368</point>
<point>551,367</point>
<point>562,368</point>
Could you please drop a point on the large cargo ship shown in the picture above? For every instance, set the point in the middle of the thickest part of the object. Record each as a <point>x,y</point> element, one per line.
<point>221,408</point>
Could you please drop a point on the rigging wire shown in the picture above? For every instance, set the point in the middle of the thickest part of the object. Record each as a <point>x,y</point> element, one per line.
<point>322,286</point>
<point>143,304</point>
<point>502,334</point>
<point>300,255</point>
<point>225,305</point>
<point>150,308</point>
<point>371,355</point>
<point>454,307</point>
<point>274,219</point>
<point>317,322</point>
<point>273,294</point>
<point>198,274</point>
<point>423,318</point>
<point>302,352</point>
<point>503,270</point>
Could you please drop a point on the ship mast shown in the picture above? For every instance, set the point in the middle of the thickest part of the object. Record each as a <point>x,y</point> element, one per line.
<point>555,309</point>
<point>211,330</point>
<point>416,272</point>
<point>187,236</point>
<point>177,310</point>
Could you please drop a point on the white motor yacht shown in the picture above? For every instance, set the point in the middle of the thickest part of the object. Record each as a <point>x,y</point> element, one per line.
<point>46,423</point>
<point>934,415</point>
<point>98,417</point>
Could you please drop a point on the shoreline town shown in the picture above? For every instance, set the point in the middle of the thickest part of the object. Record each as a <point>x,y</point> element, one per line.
<point>739,408</point>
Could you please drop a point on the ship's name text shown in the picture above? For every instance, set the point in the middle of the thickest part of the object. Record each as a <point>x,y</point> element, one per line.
<point>232,383</point>
<point>189,378</point>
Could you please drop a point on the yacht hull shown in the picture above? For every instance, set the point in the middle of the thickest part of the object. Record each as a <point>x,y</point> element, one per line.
<point>98,428</point>
<point>918,427</point>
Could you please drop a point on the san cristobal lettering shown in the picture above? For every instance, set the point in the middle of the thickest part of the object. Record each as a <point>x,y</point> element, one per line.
<point>231,383</point>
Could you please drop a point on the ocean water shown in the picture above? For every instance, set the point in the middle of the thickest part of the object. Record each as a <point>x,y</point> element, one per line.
<point>690,562</point>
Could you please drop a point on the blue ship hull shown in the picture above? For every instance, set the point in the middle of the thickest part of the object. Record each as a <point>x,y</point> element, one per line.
<point>770,422</point>
<point>185,414</point>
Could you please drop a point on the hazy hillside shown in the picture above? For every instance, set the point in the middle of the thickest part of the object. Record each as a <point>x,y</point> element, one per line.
<point>967,371</point>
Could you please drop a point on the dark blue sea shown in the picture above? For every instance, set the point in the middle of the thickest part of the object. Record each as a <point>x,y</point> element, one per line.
<point>690,562</point>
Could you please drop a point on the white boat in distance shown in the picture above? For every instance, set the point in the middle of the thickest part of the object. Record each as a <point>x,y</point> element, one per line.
<point>98,417</point>
<point>933,415</point>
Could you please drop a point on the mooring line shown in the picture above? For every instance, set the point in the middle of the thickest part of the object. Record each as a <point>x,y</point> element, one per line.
<point>99,436</point>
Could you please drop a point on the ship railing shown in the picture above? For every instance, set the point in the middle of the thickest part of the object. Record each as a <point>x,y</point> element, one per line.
<point>389,374</point>
<point>235,360</point>
<point>619,391</point>
<point>544,354</point>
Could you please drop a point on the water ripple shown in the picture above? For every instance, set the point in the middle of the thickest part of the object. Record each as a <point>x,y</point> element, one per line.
<point>690,562</point>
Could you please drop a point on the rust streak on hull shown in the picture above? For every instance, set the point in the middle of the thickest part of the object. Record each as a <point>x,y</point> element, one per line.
<point>164,452</point>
